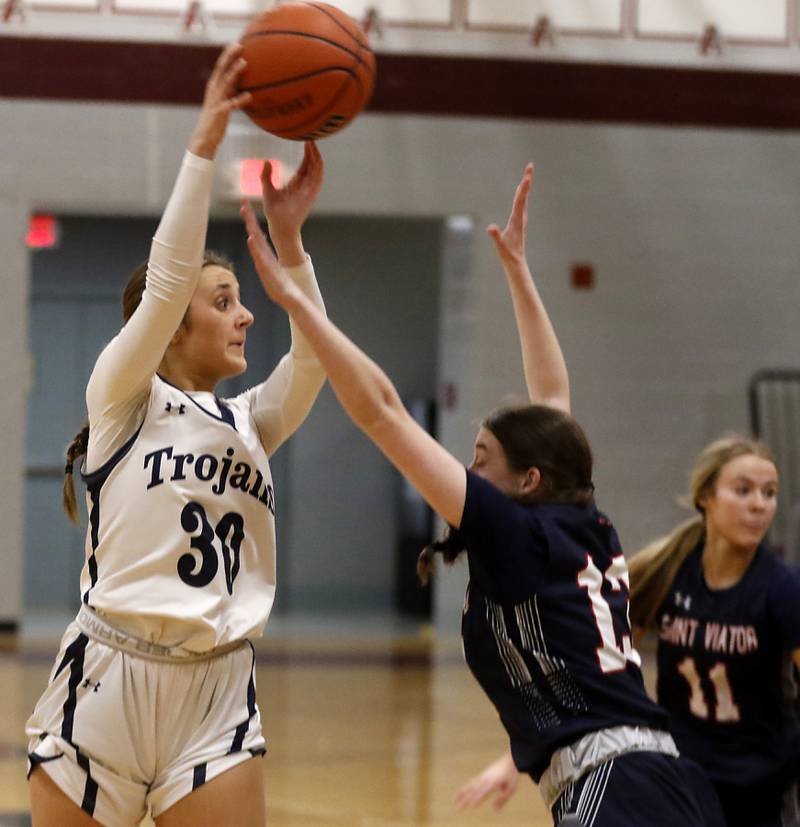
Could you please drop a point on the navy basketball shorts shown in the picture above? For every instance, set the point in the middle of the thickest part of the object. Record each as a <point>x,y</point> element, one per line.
<point>757,805</point>
<point>638,789</point>
<point>119,733</point>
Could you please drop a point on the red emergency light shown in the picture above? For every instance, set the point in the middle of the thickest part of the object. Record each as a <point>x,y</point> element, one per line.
<point>43,232</point>
<point>250,176</point>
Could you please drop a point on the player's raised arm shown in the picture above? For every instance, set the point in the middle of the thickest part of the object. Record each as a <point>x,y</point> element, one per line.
<point>283,401</point>
<point>543,362</point>
<point>365,392</point>
<point>127,365</point>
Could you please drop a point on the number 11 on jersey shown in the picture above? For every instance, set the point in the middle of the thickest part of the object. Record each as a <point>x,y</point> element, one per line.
<point>725,708</point>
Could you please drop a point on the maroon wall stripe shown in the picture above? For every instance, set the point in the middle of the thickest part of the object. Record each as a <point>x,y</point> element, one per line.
<point>481,87</point>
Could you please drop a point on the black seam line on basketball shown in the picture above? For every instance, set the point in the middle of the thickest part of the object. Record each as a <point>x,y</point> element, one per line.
<point>333,19</point>
<point>294,80</point>
<point>309,37</point>
<point>322,40</point>
<point>281,132</point>
<point>328,105</point>
<point>364,63</point>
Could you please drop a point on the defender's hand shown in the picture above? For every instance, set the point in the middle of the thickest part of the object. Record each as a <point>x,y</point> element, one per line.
<point>500,779</point>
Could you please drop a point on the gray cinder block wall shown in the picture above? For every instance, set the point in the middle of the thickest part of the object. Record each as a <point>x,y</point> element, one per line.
<point>691,233</point>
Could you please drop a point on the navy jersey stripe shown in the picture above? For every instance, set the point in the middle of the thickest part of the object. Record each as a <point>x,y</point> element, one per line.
<point>90,790</point>
<point>34,760</point>
<point>199,775</point>
<point>241,730</point>
<point>74,656</point>
<point>95,479</point>
<point>238,738</point>
<point>94,482</point>
<point>94,533</point>
<point>69,654</point>
<point>226,415</point>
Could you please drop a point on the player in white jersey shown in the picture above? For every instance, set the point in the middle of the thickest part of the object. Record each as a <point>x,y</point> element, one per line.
<point>151,702</point>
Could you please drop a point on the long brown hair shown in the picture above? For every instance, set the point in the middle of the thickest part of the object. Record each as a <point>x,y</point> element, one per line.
<point>531,436</point>
<point>131,299</point>
<point>653,569</point>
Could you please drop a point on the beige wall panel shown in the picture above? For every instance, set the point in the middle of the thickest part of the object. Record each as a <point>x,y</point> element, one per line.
<point>602,15</point>
<point>744,19</point>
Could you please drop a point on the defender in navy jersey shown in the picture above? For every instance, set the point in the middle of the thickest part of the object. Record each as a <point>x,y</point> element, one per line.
<point>545,625</point>
<point>727,614</point>
<point>151,703</point>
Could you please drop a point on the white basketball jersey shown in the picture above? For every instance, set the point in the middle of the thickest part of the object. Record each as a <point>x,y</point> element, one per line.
<point>180,549</point>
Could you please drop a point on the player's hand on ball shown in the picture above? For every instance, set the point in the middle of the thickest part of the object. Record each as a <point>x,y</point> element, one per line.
<point>287,207</point>
<point>500,779</point>
<point>510,241</point>
<point>276,281</point>
<point>220,99</point>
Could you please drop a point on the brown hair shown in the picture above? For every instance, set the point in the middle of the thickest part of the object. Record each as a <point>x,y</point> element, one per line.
<point>131,299</point>
<point>531,436</point>
<point>653,569</point>
<point>132,294</point>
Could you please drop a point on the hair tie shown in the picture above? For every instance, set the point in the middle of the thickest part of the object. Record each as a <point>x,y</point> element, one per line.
<point>68,468</point>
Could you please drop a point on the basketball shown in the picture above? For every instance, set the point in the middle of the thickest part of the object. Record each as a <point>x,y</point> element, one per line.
<point>310,70</point>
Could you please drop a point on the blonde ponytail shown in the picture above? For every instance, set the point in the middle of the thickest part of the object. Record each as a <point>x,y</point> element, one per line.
<point>653,569</point>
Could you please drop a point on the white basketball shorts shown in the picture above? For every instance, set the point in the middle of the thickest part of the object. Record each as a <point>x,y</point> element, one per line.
<point>117,732</point>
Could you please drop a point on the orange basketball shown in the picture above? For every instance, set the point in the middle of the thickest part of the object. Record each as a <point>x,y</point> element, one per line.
<point>309,68</point>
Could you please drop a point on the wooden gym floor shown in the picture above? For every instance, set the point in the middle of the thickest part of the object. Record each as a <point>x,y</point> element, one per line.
<point>361,732</point>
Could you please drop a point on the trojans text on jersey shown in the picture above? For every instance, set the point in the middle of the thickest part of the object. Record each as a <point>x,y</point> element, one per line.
<point>164,465</point>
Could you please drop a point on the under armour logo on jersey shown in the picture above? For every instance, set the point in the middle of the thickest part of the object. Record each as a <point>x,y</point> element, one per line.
<point>683,600</point>
<point>87,683</point>
<point>169,406</point>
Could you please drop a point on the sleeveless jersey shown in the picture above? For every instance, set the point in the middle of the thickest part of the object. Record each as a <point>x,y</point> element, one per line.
<point>545,626</point>
<point>723,657</point>
<point>180,549</point>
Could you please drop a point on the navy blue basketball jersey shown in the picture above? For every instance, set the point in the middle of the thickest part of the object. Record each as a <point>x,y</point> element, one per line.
<point>545,626</point>
<point>723,656</point>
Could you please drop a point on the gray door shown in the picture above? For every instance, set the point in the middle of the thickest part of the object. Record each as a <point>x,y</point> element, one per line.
<point>65,338</point>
